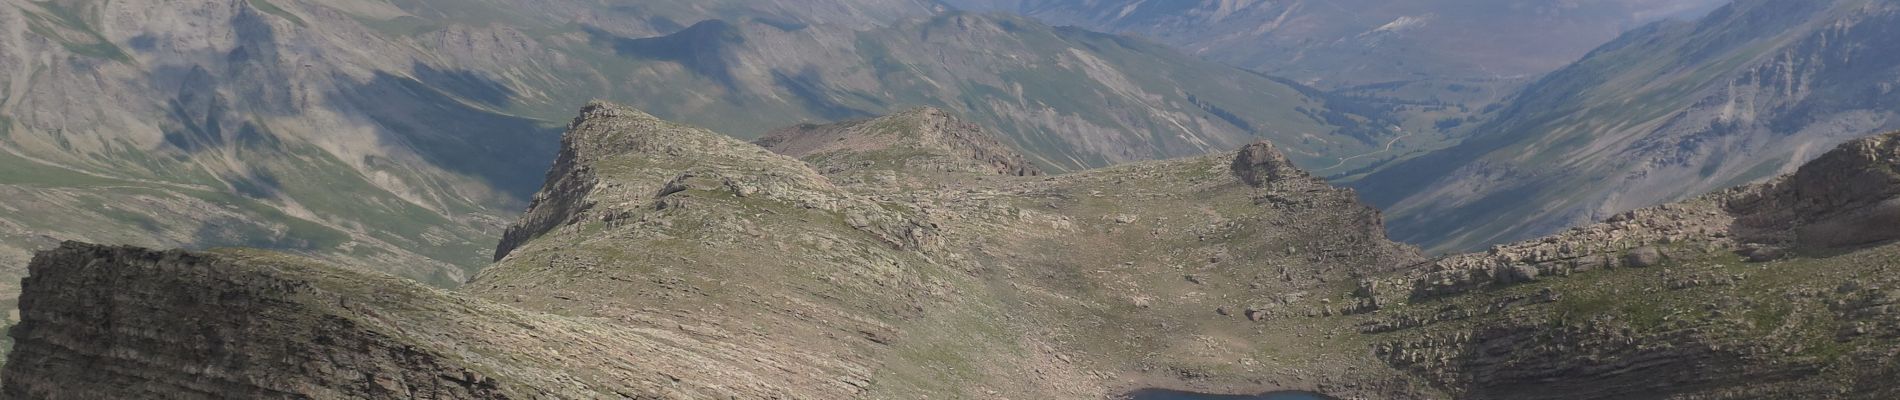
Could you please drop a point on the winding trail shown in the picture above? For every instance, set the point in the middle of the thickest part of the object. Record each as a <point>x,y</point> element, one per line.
<point>1388,148</point>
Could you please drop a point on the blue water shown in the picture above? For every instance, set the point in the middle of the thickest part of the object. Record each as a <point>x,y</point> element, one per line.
<point>1159,394</point>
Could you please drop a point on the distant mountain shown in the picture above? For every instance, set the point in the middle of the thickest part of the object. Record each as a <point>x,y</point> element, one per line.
<point>258,123</point>
<point>1343,43</point>
<point>1070,98</point>
<point>1666,112</point>
<point>1434,67</point>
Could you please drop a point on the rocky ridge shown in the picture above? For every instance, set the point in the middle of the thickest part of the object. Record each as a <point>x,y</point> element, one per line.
<point>891,279</point>
<point>929,142</point>
<point>1766,290</point>
<point>1843,200</point>
<point>1015,286</point>
<point>663,260</point>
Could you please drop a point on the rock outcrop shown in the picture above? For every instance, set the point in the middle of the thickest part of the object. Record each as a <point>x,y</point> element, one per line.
<point>118,322</point>
<point>1762,291</point>
<point>1260,163</point>
<point>1846,198</point>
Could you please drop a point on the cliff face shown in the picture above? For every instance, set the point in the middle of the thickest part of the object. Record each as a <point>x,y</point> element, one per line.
<point>118,322</point>
<point>1845,198</point>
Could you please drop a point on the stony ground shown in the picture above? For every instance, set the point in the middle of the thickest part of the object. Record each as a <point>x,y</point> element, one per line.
<point>667,261</point>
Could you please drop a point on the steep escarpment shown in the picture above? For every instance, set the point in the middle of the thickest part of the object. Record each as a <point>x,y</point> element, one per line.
<point>119,322</point>
<point>600,132</point>
<point>1845,198</point>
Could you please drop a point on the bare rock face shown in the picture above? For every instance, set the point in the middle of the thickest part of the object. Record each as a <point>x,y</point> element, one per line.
<point>1846,198</point>
<point>612,136</point>
<point>1261,162</point>
<point>104,322</point>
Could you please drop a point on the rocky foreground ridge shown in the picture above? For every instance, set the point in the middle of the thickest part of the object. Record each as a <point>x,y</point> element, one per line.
<point>910,256</point>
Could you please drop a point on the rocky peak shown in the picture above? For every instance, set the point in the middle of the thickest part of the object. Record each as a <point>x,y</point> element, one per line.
<point>1847,197</point>
<point>924,145</point>
<point>1851,176</point>
<point>1261,163</point>
<point>612,136</point>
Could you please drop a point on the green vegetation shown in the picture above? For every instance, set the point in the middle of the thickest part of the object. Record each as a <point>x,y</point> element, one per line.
<point>403,26</point>
<point>15,170</point>
<point>273,9</point>
<point>65,26</point>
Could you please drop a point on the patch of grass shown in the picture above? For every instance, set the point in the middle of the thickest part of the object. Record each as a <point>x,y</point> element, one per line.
<point>403,26</point>
<point>142,221</point>
<point>273,9</point>
<point>1582,306</point>
<point>15,170</point>
<point>298,234</point>
<point>1767,316</point>
<point>331,188</point>
<point>91,44</point>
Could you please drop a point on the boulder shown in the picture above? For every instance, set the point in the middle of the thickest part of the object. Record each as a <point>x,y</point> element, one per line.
<point>1260,163</point>
<point>1646,256</point>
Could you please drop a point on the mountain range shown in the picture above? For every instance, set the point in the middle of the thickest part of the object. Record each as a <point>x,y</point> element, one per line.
<point>1336,44</point>
<point>949,198</point>
<point>1074,99</point>
<point>667,261</point>
<point>1664,113</point>
<point>1435,67</point>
